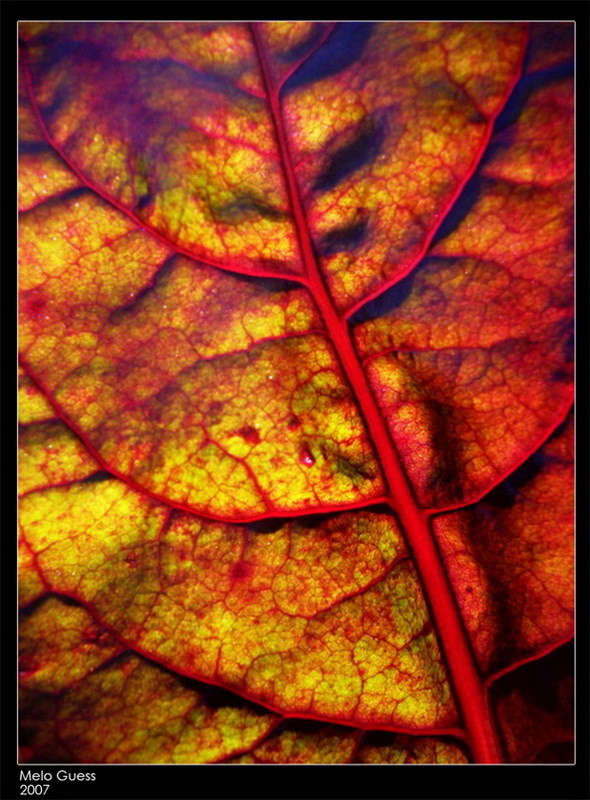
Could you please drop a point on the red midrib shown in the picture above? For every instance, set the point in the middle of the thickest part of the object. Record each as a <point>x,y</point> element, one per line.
<point>465,679</point>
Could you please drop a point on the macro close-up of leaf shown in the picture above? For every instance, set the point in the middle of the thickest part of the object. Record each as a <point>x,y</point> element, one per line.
<point>295,392</point>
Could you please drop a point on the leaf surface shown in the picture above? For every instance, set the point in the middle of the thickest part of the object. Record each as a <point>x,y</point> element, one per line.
<point>323,620</point>
<point>296,354</point>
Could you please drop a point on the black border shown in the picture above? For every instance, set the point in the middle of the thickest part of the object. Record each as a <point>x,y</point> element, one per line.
<point>422,782</point>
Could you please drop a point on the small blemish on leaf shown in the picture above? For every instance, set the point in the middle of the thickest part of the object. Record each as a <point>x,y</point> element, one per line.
<point>249,434</point>
<point>34,303</point>
<point>93,634</point>
<point>214,411</point>
<point>243,569</point>
<point>143,201</point>
<point>306,457</point>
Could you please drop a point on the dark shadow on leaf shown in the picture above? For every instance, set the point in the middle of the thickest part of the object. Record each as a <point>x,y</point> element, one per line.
<point>97,477</point>
<point>45,598</point>
<point>272,285</point>
<point>298,726</point>
<point>363,149</point>
<point>312,521</point>
<point>341,49</point>
<point>118,315</point>
<point>266,526</point>
<point>32,148</point>
<point>505,494</point>
<point>301,48</point>
<point>538,681</point>
<point>523,90</point>
<point>344,239</point>
<point>465,202</point>
<point>388,301</point>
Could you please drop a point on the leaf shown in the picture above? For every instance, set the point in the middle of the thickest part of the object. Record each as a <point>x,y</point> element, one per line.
<point>296,389</point>
<point>93,702</point>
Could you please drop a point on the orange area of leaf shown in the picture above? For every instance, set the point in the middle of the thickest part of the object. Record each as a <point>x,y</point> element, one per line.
<point>415,132</point>
<point>33,405</point>
<point>323,619</point>
<point>80,700</point>
<point>51,454</point>
<point>198,164</point>
<point>127,339</point>
<point>473,365</point>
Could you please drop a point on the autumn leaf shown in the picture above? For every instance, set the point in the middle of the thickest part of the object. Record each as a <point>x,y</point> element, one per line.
<point>295,392</point>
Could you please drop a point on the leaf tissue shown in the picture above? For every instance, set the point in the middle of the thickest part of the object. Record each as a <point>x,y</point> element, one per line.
<point>296,391</point>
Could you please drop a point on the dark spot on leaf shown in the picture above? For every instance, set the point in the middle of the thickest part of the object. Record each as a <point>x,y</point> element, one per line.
<point>242,569</point>
<point>97,477</point>
<point>245,208</point>
<point>51,110</point>
<point>442,480</point>
<point>26,662</point>
<point>29,610</point>
<point>171,72</point>
<point>268,284</point>
<point>249,434</point>
<point>34,302</point>
<point>266,525</point>
<point>293,423</point>
<point>561,375</point>
<point>363,149</point>
<point>214,412</point>
<point>143,201</point>
<point>94,634</point>
<point>346,467</point>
